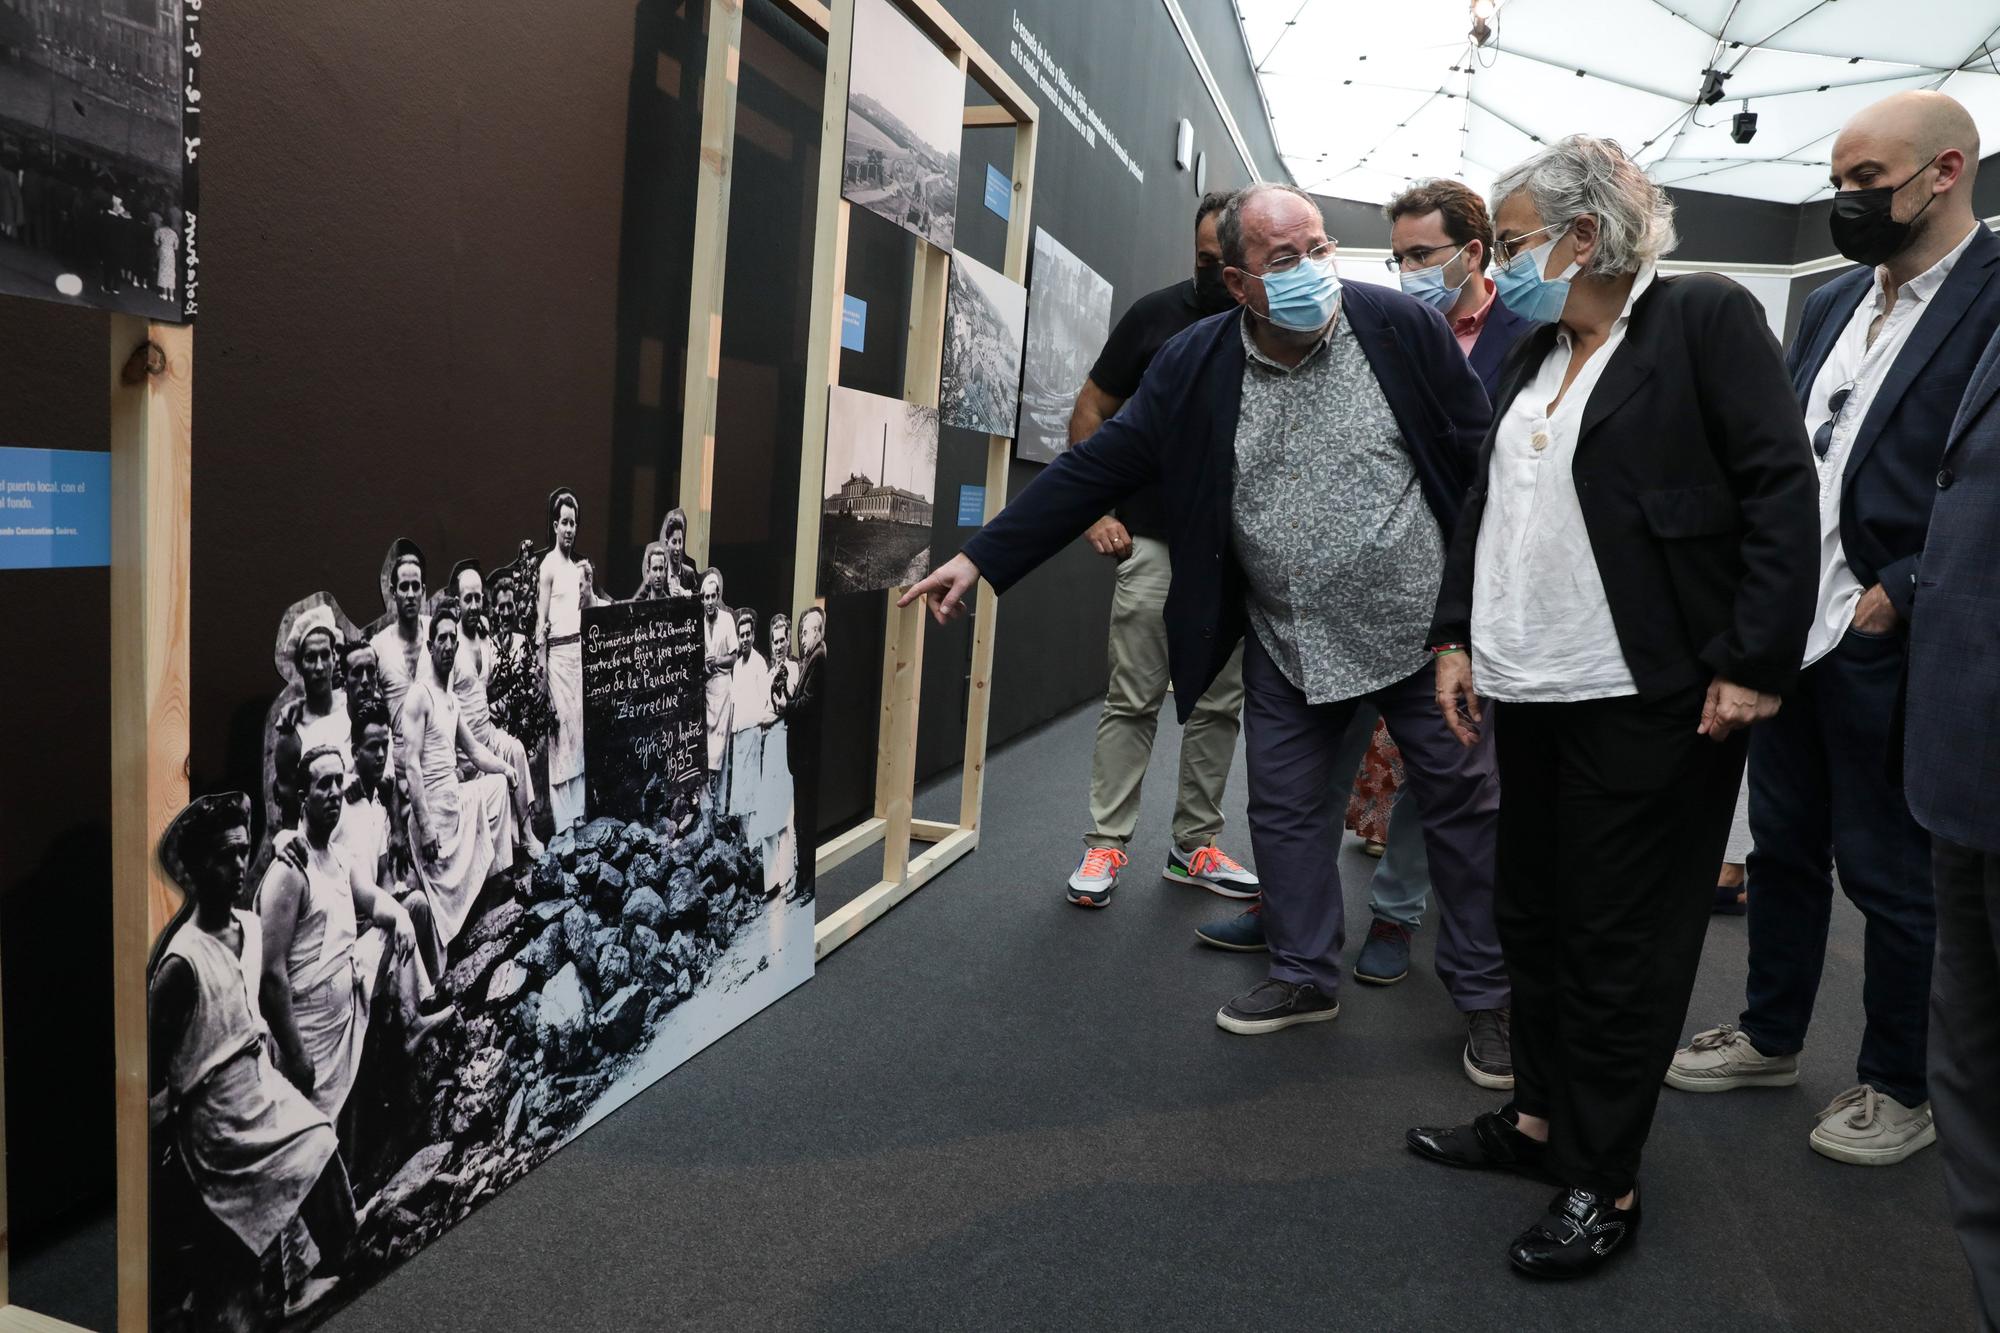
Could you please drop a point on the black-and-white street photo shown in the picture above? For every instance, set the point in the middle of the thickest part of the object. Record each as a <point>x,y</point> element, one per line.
<point>92,164</point>
<point>1069,317</point>
<point>523,851</point>
<point>905,108</point>
<point>985,319</point>
<point>881,479</point>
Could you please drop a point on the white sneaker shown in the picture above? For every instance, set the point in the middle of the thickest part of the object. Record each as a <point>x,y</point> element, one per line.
<point>1723,1058</point>
<point>1869,1128</point>
<point>1096,876</point>
<point>1213,869</point>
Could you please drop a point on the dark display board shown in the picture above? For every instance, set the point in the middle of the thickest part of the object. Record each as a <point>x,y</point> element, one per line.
<point>642,724</point>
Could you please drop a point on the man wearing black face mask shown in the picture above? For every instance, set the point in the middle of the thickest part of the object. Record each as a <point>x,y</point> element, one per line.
<point>1881,360</point>
<point>1135,536</point>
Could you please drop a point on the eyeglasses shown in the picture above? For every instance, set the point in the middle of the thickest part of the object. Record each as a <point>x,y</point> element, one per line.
<point>1418,256</point>
<point>1286,263</point>
<point>1836,403</point>
<point>1507,248</point>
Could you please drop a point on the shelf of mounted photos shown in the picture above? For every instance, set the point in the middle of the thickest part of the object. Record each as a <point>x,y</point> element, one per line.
<point>524,844</point>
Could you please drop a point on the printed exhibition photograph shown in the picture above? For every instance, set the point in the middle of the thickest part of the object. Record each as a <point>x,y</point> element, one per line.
<point>985,319</point>
<point>96,181</point>
<point>905,114</point>
<point>881,479</point>
<point>523,847</point>
<point>1069,317</point>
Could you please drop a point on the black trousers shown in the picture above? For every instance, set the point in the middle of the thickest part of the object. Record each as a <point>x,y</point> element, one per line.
<point>1613,817</point>
<point>1965,1057</point>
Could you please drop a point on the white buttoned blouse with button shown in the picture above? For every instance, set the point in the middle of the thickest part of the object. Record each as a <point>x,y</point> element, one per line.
<point>1541,627</point>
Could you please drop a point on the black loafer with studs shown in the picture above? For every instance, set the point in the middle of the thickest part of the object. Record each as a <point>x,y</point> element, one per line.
<point>1578,1236</point>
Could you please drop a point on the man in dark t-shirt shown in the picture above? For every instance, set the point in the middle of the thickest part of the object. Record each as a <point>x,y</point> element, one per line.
<point>1135,537</point>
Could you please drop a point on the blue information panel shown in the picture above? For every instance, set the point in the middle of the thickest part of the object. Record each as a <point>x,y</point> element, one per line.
<point>999,191</point>
<point>971,506</point>
<point>55,508</point>
<point>853,323</point>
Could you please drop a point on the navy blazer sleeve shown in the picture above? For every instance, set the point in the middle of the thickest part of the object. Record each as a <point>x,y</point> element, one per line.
<point>1760,442</point>
<point>1083,485</point>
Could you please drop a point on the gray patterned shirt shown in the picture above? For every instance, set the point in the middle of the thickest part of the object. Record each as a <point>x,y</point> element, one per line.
<point>1343,554</point>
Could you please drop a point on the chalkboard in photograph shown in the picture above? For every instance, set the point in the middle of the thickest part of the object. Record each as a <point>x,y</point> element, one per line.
<point>642,720</point>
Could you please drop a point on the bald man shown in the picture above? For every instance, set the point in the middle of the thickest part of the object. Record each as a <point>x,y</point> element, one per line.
<point>1882,357</point>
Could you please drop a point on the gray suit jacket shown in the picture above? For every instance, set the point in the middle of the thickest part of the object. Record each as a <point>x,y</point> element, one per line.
<point>1951,769</point>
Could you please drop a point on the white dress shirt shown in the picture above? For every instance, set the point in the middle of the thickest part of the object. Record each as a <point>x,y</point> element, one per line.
<point>1541,627</point>
<point>1864,365</point>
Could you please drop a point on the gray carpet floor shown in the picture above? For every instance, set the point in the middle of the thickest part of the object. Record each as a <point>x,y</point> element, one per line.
<point>996,1111</point>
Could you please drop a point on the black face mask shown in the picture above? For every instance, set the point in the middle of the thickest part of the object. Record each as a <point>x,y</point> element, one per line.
<point>1864,222</point>
<point>1211,292</point>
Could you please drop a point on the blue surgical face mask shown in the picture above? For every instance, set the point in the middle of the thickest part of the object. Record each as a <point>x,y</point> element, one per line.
<point>1427,284</point>
<point>1527,293</point>
<point>1303,297</point>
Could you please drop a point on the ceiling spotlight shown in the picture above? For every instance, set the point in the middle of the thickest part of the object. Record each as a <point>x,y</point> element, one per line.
<point>1743,125</point>
<point>1482,20</point>
<point>1711,87</point>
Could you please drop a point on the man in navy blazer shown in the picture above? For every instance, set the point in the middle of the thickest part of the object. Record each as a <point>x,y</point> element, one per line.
<point>1312,450</point>
<point>1952,775</point>
<point>1440,242</point>
<point>1881,361</point>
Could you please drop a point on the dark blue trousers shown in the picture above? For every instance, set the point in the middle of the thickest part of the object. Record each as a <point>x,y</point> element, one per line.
<point>1297,798</point>
<point>1822,796</point>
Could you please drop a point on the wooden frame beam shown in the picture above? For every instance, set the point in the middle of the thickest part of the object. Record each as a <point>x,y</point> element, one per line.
<point>700,375</point>
<point>152,387</point>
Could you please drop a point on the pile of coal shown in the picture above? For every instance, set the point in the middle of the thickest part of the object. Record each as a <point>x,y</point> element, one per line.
<point>557,985</point>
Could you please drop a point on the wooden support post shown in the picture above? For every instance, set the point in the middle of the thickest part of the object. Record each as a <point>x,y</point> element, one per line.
<point>152,383</point>
<point>711,246</point>
<point>829,280</point>
<point>999,454</point>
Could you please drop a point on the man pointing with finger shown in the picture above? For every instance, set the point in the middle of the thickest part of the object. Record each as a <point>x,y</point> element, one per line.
<point>1312,449</point>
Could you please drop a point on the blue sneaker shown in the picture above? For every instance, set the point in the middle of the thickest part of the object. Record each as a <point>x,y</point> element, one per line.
<point>1385,958</point>
<point>1243,933</point>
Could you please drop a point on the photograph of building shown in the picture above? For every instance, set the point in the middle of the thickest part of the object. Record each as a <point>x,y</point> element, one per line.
<point>881,481</point>
<point>905,102</point>
<point>985,318</point>
<point>92,161</point>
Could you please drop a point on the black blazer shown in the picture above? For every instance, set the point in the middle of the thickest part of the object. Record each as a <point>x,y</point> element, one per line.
<point>1891,475</point>
<point>1698,491</point>
<point>1179,430</point>
<point>1503,328</point>
<point>1952,725</point>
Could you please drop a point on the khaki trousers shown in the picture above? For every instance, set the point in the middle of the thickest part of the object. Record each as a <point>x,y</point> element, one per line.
<point>1138,655</point>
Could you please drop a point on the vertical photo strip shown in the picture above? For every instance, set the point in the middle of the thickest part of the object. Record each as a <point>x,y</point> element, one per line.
<point>99,139</point>
<point>1069,317</point>
<point>905,116</point>
<point>881,482</point>
<point>985,319</point>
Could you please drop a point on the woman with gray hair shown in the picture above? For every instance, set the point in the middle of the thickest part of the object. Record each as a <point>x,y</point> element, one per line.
<point>1630,584</point>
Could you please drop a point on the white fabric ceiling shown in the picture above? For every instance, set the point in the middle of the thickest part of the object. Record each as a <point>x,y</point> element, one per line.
<point>1367,95</point>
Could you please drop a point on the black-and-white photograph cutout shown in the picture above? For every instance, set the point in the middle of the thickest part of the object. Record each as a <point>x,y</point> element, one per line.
<point>985,319</point>
<point>93,170</point>
<point>905,114</point>
<point>1069,317</point>
<point>881,479</point>
<point>521,851</point>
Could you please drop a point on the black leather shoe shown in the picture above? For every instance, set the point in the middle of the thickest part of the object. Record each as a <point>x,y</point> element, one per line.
<point>1489,1143</point>
<point>1577,1237</point>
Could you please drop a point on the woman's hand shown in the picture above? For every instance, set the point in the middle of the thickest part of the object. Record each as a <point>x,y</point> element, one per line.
<point>1456,698</point>
<point>1731,707</point>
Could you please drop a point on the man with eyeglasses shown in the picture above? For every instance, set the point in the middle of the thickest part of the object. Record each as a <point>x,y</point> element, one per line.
<point>1882,357</point>
<point>1312,449</point>
<point>1440,238</point>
